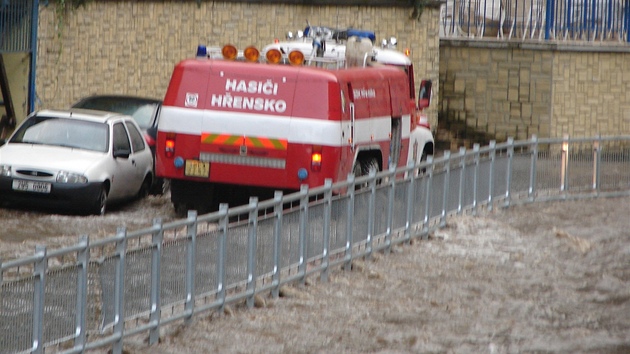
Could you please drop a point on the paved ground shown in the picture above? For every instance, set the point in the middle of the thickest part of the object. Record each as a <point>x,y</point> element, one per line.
<point>539,278</point>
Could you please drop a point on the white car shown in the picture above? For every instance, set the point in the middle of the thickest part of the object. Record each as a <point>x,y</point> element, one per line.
<point>75,160</point>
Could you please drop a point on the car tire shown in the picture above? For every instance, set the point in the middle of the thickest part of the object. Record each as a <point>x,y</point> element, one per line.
<point>160,187</point>
<point>144,188</point>
<point>99,206</point>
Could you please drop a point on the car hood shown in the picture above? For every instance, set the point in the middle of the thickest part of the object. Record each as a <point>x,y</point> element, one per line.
<point>43,157</point>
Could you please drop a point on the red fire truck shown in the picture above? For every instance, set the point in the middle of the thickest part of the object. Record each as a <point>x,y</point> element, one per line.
<point>236,127</point>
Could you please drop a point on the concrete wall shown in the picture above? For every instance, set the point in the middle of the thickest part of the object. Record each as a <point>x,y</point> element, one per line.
<point>517,89</point>
<point>130,47</point>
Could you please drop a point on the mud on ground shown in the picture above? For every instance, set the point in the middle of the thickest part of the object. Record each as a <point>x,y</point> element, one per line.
<point>538,278</point>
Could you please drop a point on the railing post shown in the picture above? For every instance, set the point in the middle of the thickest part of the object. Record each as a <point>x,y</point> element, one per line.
<point>508,184</point>
<point>39,294</point>
<point>597,159</point>
<point>427,198</point>
<point>447,179</point>
<point>531,193</point>
<point>83,257</point>
<point>156,258</point>
<point>277,243</point>
<point>476,178</point>
<point>327,221</point>
<point>549,18</point>
<point>564,166</point>
<point>410,199</point>
<point>251,250</point>
<point>221,249</point>
<point>303,232</point>
<point>191,246</point>
<point>390,208</point>
<point>119,302</point>
<point>462,176</point>
<point>493,155</point>
<point>349,225</point>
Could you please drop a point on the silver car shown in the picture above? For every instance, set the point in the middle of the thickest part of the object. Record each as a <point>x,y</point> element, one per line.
<point>75,160</point>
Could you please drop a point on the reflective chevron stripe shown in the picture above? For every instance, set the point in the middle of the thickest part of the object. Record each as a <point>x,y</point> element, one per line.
<point>250,141</point>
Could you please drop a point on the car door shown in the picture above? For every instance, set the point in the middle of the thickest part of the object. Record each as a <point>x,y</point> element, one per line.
<point>125,175</point>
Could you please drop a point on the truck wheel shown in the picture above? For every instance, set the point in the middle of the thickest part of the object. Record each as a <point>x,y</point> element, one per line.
<point>363,167</point>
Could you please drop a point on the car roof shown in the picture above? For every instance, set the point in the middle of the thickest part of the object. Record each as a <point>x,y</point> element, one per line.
<point>118,97</point>
<point>83,114</point>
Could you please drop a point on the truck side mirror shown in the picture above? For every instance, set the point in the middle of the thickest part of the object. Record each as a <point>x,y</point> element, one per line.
<point>424,94</point>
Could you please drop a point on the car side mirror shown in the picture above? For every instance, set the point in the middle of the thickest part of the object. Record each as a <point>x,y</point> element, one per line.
<point>424,94</point>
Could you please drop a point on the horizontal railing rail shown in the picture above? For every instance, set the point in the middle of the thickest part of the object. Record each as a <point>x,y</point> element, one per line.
<point>96,293</point>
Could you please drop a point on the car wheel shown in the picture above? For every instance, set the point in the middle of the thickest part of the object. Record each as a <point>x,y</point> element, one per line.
<point>100,204</point>
<point>160,187</point>
<point>145,187</point>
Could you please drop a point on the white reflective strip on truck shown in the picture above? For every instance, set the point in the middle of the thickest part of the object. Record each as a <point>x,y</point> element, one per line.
<point>299,131</point>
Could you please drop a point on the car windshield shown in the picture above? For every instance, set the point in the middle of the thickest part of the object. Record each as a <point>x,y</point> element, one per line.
<point>70,133</point>
<point>141,110</point>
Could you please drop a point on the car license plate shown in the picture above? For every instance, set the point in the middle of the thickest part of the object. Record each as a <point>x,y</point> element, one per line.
<point>31,186</point>
<point>196,168</point>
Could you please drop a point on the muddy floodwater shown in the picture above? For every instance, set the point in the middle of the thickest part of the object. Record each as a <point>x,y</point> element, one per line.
<point>22,229</point>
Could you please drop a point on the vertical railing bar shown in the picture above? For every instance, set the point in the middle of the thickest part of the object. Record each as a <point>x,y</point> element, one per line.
<point>82,291</point>
<point>476,156</point>
<point>221,256</point>
<point>390,208</point>
<point>462,175</point>
<point>508,184</point>
<point>251,250</point>
<point>277,243</point>
<point>303,232</point>
<point>39,294</point>
<point>410,203</point>
<point>191,246</point>
<point>350,221</point>
<point>532,173</point>
<point>327,224</point>
<point>564,165</point>
<point>156,280</point>
<point>119,302</point>
<point>597,160</point>
<point>371,207</point>
<point>427,200</point>
<point>447,183</point>
<point>493,155</point>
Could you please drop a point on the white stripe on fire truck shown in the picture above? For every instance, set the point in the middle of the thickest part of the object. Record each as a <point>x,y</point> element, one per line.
<point>300,131</point>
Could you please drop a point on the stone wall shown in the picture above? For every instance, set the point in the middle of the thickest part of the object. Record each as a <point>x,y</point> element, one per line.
<point>130,47</point>
<point>504,89</point>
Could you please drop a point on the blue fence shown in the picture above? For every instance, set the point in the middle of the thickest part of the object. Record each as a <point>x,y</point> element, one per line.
<point>96,294</point>
<point>550,20</point>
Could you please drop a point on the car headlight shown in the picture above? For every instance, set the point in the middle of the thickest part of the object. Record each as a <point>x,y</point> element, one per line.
<point>5,170</point>
<point>69,177</point>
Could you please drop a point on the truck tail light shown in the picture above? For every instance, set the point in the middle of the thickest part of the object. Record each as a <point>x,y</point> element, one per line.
<point>169,145</point>
<point>316,159</point>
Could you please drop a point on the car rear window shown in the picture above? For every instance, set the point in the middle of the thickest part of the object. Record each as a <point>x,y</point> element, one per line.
<point>142,111</point>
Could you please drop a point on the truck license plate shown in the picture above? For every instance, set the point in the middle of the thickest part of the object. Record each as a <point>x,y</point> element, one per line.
<point>195,168</point>
<point>31,186</point>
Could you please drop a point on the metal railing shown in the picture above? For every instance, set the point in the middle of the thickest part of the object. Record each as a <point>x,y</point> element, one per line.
<point>95,294</point>
<point>559,20</point>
